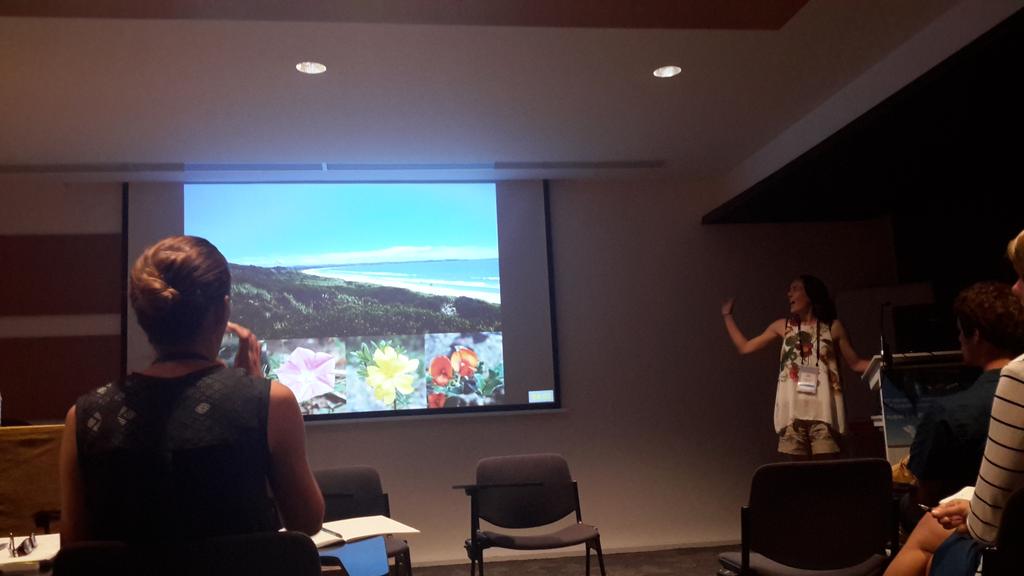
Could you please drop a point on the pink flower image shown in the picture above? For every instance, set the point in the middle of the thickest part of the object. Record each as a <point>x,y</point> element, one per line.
<point>307,373</point>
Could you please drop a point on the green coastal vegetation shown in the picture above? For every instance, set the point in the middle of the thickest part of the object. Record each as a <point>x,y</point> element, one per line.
<point>283,302</point>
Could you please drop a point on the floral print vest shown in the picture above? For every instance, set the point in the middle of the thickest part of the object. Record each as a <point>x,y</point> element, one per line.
<point>809,344</point>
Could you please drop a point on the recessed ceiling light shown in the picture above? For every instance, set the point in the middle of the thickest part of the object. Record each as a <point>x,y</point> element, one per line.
<point>311,67</point>
<point>667,71</point>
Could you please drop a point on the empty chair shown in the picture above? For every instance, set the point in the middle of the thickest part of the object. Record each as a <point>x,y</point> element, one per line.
<point>262,554</point>
<point>834,517</point>
<point>354,491</point>
<point>526,491</point>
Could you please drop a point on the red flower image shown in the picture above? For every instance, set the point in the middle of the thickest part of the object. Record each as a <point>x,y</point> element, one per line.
<point>794,372</point>
<point>436,400</point>
<point>464,361</point>
<point>441,371</point>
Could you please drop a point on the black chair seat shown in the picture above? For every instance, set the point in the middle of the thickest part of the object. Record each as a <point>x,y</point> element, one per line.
<point>262,554</point>
<point>766,567</point>
<point>568,536</point>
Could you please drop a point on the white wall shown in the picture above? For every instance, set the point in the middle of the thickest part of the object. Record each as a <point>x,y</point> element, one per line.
<point>663,424</point>
<point>32,206</point>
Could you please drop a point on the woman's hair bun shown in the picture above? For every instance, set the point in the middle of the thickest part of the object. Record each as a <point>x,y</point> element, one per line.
<point>151,291</point>
<point>174,285</point>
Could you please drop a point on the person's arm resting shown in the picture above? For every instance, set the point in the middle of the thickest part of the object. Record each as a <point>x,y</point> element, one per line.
<point>856,363</point>
<point>298,497</point>
<point>72,493</point>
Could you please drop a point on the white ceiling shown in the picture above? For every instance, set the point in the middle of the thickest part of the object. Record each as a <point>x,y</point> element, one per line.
<point>103,91</point>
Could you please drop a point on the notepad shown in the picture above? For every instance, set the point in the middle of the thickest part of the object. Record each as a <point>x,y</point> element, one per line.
<point>348,530</point>
<point>47,546</point>
<point>965,493</point>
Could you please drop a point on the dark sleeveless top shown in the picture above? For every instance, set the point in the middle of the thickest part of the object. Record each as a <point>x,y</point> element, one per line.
<point>176,458</point>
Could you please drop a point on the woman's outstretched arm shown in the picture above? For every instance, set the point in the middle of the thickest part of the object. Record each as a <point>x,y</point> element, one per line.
<point>742,343</point>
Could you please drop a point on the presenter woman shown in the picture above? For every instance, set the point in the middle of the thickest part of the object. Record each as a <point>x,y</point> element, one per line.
<point>809,411</point>
<point>950,540</point>
<point>187,448</point>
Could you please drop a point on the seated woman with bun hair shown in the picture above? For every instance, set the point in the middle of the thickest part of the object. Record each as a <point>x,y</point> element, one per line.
<point>187,448</point>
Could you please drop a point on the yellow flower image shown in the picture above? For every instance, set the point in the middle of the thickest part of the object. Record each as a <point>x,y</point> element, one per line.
<point>389,372</point>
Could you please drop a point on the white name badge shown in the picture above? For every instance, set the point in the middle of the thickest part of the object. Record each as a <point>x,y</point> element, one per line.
<point>807,382</point>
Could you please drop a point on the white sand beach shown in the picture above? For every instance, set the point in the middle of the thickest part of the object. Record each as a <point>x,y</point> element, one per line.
<point>453,288</point>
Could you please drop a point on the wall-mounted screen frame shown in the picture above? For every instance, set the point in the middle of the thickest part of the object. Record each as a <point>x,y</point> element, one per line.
<point>378,299</point>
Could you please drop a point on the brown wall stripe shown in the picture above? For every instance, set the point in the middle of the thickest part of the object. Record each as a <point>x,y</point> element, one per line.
<point>60,274</point>
<point>43,376</point>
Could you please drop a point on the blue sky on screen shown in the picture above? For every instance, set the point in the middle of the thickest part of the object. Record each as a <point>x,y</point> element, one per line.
<point>325,224</point>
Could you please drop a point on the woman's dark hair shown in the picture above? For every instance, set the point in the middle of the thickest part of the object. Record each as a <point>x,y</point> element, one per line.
<point>822,306</point>
<point>174,285</point>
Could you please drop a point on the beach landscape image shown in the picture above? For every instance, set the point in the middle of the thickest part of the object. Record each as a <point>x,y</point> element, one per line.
<point>346,284</point>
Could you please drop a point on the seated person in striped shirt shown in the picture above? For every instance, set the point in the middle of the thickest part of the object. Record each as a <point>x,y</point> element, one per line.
<point>949,540</point>
<point>950,439</point>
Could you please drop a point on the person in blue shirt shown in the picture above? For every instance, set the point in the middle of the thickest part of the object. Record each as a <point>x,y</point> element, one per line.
<point>950,438</point>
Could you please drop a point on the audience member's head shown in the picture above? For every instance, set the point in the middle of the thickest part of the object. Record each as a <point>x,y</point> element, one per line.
<point>1016,253</point>
<point>989,314</point>
<point>178,289</point>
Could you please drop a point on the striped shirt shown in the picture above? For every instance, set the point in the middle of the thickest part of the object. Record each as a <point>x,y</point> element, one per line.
<point>1002,468</point>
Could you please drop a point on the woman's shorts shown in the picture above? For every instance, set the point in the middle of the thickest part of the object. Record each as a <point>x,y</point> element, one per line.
<point>806,438</point>
<point>958,555</point>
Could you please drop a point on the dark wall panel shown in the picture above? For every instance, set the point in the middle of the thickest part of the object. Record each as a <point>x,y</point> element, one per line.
<point>58,275</point>
<point>43,376</point>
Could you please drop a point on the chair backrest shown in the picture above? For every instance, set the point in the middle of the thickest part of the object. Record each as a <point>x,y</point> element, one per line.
<point>81,558</point>
<point>263,554</point>
<point>551,499</point>
<point>821,515</point>
<point>352,491</point>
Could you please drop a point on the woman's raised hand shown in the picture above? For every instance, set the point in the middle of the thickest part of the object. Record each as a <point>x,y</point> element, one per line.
<point>727,306</point>
<point>248,357</point>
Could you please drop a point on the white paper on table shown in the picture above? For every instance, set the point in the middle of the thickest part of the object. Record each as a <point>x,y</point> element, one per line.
<point>358,528</point>
<point>965,493</point>
<point>47,546</point>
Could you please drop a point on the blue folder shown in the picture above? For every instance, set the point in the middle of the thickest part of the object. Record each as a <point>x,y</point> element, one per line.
<point>366,557</point>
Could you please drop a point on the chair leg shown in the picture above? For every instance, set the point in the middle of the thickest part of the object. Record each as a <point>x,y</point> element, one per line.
<point>587,552</point>
<point>471,553</point>
<point>600,557</point>
<point>407,562</point>
<point>475,557</point>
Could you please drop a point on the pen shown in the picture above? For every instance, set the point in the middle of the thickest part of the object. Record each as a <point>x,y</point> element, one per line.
<point>332,532</point>
<point>924,507</point>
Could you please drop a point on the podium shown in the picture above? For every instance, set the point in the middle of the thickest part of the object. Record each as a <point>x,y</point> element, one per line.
<point>908,387</point>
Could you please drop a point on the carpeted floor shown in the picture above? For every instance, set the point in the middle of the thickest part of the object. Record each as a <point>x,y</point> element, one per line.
<point>679,562</point>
